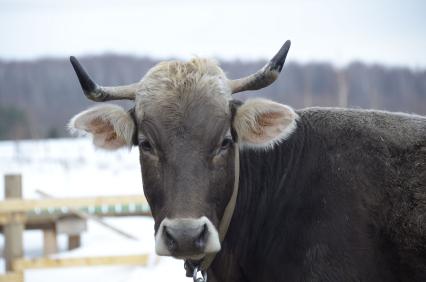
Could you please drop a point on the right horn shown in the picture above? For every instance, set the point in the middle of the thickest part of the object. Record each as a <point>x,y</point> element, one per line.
<point>101,93</point>
<point>265,76</point>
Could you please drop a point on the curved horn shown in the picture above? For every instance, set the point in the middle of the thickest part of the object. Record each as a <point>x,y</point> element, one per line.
<point>265,76</point>
<point>100,93</point>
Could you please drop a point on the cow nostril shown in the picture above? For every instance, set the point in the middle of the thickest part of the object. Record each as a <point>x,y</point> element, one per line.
<point>200,241</point>
<point>170,241</point>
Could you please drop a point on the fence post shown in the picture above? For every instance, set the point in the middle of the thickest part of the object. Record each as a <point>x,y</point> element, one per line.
<point>13,230</point>
<point>74,241</point>
<point>50,244</point>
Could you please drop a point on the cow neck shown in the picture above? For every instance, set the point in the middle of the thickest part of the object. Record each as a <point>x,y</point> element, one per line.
<point>229,210</point>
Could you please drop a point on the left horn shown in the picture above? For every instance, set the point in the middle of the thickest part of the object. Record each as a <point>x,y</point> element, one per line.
<point>265,76</point>
<point>100,93</point>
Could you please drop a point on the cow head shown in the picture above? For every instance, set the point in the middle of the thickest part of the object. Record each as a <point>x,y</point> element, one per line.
<point>186,126</point>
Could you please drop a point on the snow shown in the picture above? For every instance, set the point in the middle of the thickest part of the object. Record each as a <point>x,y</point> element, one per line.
<point>71,168</point>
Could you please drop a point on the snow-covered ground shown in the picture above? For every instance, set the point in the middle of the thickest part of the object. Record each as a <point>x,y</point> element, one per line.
<point>73,167</point>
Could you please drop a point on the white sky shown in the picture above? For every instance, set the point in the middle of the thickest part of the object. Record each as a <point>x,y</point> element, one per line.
<point>339,31</point>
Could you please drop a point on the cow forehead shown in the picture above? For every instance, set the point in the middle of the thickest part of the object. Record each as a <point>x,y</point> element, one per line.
<point>176,87</point>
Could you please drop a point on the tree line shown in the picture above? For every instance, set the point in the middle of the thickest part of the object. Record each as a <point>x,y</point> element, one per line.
<point>37,98</point>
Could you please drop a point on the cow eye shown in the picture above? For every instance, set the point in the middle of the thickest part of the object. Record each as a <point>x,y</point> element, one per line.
<point>226,143</point>
<point>145,145</point>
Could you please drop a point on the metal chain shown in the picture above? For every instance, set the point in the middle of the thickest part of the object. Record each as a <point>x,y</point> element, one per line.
<point>203,273</point>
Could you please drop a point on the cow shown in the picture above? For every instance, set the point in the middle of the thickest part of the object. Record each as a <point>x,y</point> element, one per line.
<point>257,191</point>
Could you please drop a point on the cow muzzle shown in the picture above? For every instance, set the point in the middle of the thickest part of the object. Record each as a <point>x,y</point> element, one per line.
<point>186,238</point>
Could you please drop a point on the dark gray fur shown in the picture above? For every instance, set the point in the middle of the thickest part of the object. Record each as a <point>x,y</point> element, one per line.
<point>343,199</point>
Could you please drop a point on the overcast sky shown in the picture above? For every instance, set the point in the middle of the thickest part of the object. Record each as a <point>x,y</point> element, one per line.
<point>374,31</point>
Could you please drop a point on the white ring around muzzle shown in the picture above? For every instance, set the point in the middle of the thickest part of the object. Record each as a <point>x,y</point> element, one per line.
<point>212,244</point>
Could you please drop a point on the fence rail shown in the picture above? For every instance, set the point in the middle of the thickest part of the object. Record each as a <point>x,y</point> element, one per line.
<point>20,265</point>
<point>18,205</point>
<point>40,263</point>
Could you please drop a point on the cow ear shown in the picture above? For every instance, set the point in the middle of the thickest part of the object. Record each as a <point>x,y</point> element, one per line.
<point>262,123</point>
<point>111,126</point>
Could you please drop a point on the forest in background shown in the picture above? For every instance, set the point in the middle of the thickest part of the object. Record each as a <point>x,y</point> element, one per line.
<point>37,98</point>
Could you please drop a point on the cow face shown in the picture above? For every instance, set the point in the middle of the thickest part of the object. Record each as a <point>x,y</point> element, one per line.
<point>186,154</point>
<point>186,127</point>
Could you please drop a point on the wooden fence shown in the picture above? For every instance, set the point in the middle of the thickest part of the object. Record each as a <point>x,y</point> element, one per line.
<point>15,213</point>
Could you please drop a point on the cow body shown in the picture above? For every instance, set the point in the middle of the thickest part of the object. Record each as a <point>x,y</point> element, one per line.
<point>342,199</point>
<point>324,194</point>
